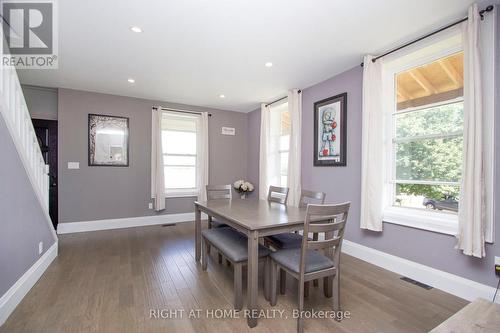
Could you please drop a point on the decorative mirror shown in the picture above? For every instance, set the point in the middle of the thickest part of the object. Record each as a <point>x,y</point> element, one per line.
<point>108,140</point>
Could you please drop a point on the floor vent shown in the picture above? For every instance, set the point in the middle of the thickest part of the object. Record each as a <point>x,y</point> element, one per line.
<point>420,284</point>
<point>168,225</point>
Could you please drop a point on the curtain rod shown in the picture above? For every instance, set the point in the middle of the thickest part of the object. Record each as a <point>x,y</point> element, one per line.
<point>179,110</point>
<point>481,13</point>
<point>280,99</point>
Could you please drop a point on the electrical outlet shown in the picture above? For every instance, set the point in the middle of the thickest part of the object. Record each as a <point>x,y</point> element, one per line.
<point>150,205</point>
<point>497,261</point>
<point>40,248</point>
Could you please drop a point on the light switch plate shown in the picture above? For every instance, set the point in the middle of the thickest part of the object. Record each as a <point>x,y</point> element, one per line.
<point>150,206</point>
<point>73,165</point>
<point>228,131</point>
<point>497,260</point>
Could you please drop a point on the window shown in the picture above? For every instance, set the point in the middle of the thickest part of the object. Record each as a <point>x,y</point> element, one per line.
<point>179,146</point>
<point>428,135</point>
<point>424,147</point>
<point>280,143</point>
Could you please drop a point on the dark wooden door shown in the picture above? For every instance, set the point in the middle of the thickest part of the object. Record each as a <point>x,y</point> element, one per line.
<point>46,132</point>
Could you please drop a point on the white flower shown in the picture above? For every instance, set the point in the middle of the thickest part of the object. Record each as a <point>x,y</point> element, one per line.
<point>244,187</point>
<point>238,183</point>
<point>250,187</point>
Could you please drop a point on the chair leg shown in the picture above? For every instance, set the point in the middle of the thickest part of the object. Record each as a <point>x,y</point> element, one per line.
<point>204,254</point>
<point>316,283</point>
<point>327,286</point>
<point>238,286</point>
<point>209,227</point>
<point>282,281</point>
<point>267,264</point>
<point>228,263</point>
<point>219,257</point>
<point>306,289</point>
<point>300,322</point>
<point>336,293</point>
<point>274,282</point>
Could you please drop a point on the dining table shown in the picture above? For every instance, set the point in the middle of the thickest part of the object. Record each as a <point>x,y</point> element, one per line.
<point>255,218</point>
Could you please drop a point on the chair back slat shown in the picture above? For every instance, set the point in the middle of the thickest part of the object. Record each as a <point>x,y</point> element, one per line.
<point>323,244</point>
<point>330,220</point>
<point>278,194</point>
<point>326,227</point>
<point>219,192</point>
<point>307,197</point>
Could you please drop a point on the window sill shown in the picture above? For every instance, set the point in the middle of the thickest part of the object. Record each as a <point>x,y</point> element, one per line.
<point>422,219</point>
<point>189,194</point>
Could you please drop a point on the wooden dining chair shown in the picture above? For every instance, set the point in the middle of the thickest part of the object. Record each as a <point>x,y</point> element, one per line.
<point>293,240</point>
<point>307,262</point>
<point>215,192</point>
<point>277,194</point>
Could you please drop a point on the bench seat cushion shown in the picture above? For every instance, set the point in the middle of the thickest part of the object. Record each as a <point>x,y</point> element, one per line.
<point>218,224</point>
<point>290,259</point>
<point>288,240</point>
<point>231,243</point>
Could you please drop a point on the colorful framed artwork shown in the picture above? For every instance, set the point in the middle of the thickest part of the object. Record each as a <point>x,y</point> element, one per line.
<point>330,131</point>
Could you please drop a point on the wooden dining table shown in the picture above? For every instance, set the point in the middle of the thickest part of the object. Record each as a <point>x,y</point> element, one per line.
<point>256,219</point>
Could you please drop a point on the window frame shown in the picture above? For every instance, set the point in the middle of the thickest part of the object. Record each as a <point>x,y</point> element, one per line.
<point>439,222</point>
<point>183,192</point>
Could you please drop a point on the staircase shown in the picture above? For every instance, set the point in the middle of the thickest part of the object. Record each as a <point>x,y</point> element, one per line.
<point>14,110</point>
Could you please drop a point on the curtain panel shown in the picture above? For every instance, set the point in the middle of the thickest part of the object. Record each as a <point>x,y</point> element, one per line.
<point>471,212</point>
<point>157,176</point>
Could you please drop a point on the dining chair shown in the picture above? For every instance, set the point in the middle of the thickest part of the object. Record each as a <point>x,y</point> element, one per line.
<point>307,262</point>
<point>234,246</point>
<point>215,192</point>
<point>293,240</point>
<point>277,194</point>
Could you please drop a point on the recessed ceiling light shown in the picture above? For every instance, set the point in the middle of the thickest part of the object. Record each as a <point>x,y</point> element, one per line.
<point>136,29</point>
<point>268,64</point>
<point>131,80</point>
<point>222,96</point>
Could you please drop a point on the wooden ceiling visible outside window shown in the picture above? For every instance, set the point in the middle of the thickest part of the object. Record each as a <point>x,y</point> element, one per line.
<point>435,82</point>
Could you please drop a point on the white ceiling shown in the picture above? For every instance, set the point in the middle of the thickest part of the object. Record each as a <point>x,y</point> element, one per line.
<point>192,51</point>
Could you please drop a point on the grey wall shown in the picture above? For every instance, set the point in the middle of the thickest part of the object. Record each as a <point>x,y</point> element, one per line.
<point>41,101</point>
<point>344,184</point>
<point>22,221</point>
<point>95,193</point>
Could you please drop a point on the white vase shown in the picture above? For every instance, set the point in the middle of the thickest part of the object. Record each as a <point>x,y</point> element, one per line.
<point>243,195</point>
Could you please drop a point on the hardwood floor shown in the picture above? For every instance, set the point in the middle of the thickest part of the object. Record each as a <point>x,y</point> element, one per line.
<point>108,281</point>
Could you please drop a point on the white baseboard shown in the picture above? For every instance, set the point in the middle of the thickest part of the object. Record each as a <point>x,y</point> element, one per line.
<point>16,293</point>
<point>450,283</point>
<point>72,227</point>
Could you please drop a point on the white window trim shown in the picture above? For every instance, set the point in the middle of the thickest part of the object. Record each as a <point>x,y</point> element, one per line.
<point>448,45</point>
<point>182,192</point>
<point>444,223</point>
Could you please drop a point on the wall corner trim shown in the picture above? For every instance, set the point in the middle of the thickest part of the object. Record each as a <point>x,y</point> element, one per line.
<point>130,222</point>
<point>11,299</point>
<point>450,283</point>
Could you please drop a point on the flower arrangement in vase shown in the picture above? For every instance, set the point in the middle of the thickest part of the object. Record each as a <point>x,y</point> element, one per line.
<point>243,187</point>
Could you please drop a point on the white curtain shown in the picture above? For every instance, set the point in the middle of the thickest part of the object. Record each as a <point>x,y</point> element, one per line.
<point>373,152</point>
<point>265,135</point>
<point>294,155</point>
<point>471,213</point>
<point>202,160</point>
<point>157,177</point>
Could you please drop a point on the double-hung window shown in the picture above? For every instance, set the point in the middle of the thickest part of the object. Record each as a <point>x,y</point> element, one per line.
<point>425,137</point>
<point>179,147</point>
<point>279,144</point>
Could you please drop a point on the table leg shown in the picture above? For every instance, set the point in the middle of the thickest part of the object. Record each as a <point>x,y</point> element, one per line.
<point>252,277</point>
<point>197,232</point>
